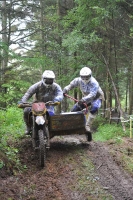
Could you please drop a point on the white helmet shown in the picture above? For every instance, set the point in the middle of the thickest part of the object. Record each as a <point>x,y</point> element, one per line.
<point>85,74</point>
<point>48,78</point>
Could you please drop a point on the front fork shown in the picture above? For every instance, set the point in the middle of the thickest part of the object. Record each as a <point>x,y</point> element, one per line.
<point>47,137</point>
<point>44,127</point>
<point>46,133</point>
<point>33,133</point>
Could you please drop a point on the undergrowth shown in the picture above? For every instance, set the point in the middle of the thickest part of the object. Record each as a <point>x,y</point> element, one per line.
<point>106,131</point>
<point>11,130</point>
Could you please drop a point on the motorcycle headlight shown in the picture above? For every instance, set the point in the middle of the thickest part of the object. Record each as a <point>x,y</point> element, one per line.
<point>40,120</point>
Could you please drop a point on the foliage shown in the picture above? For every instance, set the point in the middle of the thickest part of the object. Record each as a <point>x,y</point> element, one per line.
<point>64,37</point>
<point>11,130</point>
<point>108,131</point>
<point>1,164</point>
<point>19,78</point>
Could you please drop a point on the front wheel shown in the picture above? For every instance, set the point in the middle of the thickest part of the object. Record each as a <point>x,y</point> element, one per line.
<point>42,149</point>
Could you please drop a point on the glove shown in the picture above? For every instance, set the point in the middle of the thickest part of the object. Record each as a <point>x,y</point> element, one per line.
<point>64,92</point>
<point>49,102</point>
<point>20,102</point>
<point>80,102</point>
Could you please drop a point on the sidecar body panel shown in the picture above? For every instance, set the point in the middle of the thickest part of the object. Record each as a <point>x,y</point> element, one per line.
<point>67,124</point>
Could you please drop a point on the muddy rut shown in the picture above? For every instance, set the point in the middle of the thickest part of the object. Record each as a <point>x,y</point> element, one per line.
<point>75,170</point>
<point>111,175</point>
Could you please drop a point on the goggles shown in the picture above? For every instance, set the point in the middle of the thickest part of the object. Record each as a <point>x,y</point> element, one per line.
<point>85,77</point>
<point>48,81</point>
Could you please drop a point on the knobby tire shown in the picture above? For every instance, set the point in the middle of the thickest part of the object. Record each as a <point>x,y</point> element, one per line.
<point>42,149</point>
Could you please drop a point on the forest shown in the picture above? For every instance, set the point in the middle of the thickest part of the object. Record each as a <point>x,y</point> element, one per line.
<point>64,35</point>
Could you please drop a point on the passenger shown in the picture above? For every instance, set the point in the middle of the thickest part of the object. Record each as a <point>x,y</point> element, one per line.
<point>91,92</point>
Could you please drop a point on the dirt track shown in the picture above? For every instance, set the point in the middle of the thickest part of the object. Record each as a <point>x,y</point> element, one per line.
<point>111,175</point>
<point>69,173</point>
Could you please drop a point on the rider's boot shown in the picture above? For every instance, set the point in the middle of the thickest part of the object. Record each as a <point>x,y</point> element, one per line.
<point>26,120</point>
<point>28,130</point>
<point>90,119</point>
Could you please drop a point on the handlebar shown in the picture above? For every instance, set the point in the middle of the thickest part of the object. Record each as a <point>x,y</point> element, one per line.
<point>24,105</point>
<point>49,103</point>
<point>86,107</point>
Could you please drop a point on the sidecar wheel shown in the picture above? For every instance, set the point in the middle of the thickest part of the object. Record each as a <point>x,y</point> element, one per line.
<point>89,136</point>
<point>42,149</point>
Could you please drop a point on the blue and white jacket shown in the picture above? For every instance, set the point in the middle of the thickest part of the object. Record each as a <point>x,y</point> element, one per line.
<point>90,91</point>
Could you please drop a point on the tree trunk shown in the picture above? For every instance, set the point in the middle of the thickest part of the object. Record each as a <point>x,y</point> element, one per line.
<point>131,91</point>
<point>115,90</point>
<point>5,46</point>
<point>43,36</point>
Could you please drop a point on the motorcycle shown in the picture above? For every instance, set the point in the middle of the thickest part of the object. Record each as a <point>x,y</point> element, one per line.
<point>38,120</point>
<point>45,126</point>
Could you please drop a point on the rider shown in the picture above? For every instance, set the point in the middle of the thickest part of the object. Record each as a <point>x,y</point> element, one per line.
<point>44,90</point>
<point>91,92</point>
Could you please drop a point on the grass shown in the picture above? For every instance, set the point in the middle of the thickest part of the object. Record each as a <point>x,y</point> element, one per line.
<point>11,131</point>
<point>106,131</point>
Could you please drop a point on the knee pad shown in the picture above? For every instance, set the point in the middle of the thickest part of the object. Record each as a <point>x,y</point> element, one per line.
<point>27,110</point>
<point>76,108</point>
<point>93,110</point>
<point>95,106</point>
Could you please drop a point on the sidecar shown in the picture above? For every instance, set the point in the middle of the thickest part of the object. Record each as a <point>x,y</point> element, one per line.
<point>68,123</point>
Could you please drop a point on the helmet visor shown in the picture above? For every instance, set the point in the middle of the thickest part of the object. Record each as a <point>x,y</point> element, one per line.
<point>48,81</point>
<point>86,78</point>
